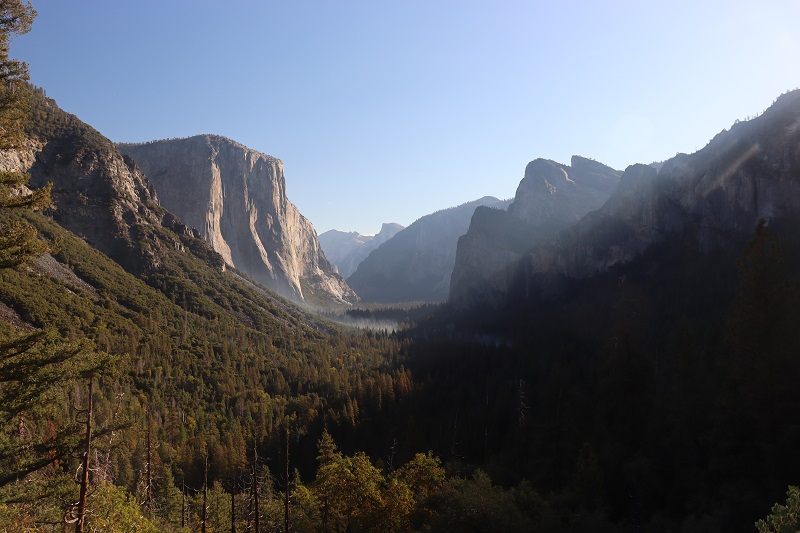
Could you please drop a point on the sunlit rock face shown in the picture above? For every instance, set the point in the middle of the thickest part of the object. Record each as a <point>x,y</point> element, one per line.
<point>708,199</point>
<point>236,198</point>
<point>550,198</point>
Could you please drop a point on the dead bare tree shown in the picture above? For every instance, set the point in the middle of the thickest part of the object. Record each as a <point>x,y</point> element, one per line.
<point>205,496</point>
<point>254,513</point>
<point>76,512</point>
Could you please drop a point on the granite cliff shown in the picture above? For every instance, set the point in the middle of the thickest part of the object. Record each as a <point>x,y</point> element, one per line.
<point>551,197</point>
<point>708,200</point>
<point>236,198</point>
<point>347,249</point>
<point>415,264</point>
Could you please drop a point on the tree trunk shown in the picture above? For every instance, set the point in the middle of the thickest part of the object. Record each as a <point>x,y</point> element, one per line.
<point>85,474</point>
<point>287,523</point>
<point>205,497</point>
<point>149,488</point>
<point>233,511</point>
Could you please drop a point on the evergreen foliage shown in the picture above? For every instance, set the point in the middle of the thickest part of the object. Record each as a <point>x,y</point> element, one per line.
<point>16,18</point>
<point>783,518</point>
<point>18,241</point>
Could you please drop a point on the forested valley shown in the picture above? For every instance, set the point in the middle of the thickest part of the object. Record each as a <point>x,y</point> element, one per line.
<point>174,394</point>
<point>641,407</point>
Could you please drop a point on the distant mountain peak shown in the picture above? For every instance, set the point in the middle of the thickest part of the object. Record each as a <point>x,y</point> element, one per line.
<point>346,250</point>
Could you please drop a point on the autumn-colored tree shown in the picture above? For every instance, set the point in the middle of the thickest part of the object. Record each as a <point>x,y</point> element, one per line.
<point>323,486</point>
<point>423,474</point>
<point>395,509</point>
<point>349,488</point>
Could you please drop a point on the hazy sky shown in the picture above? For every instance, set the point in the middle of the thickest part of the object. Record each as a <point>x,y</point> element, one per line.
<point>384,111</point>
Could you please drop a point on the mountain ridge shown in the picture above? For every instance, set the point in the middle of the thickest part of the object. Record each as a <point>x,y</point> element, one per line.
<point>717,194</point>
<point>550,197</point>
<point>99,193</point>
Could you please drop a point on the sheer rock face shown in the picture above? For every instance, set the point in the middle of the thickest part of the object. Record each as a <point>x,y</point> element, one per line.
<point>236,198</point>
<point>551,197</point>
<point>711,198</point>
<point>416,264</point>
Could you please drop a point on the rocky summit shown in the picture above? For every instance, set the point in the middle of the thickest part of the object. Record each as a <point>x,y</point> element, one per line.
<point>551,197</point>
<point>236,198</point>
<point>709,199</point>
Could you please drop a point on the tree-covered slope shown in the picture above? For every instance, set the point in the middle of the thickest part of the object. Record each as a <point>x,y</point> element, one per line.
<point>203,363</point>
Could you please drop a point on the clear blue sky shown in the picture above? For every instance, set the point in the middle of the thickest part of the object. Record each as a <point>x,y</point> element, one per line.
<point>384,111</point>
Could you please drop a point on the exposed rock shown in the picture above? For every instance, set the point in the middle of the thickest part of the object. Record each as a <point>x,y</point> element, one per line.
<point>236,198</point>
<point>416,264</point>
<point>346,250</point>
<point>49,265</point>
<point>97,193</point>
<point>713,197</point>
<point>550,198</point>
<point>10,316</point>
<point>22,159</point>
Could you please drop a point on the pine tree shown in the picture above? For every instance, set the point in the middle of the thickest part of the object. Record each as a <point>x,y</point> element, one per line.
<point>18,239</point>
<point>34,367</point>
<point>31,368</point>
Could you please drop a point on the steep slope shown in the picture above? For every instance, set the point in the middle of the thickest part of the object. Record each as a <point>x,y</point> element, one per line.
<point>214,357</point>
<point>98,193</point>
<point>236,198</point>
<point>415,264</point>
<point>712,198</point>
<point>550,197</point>
<point>346,250</point>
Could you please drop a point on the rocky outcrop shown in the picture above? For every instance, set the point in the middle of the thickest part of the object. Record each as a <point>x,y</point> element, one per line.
<point>711,198</point>
<point>236,198</point>
<point>550,198</point>
<point>416,264</point>
<point>346,250</point>
<point>97,193</point>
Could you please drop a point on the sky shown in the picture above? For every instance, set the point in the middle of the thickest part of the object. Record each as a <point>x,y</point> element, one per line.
<point>385,111</point>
